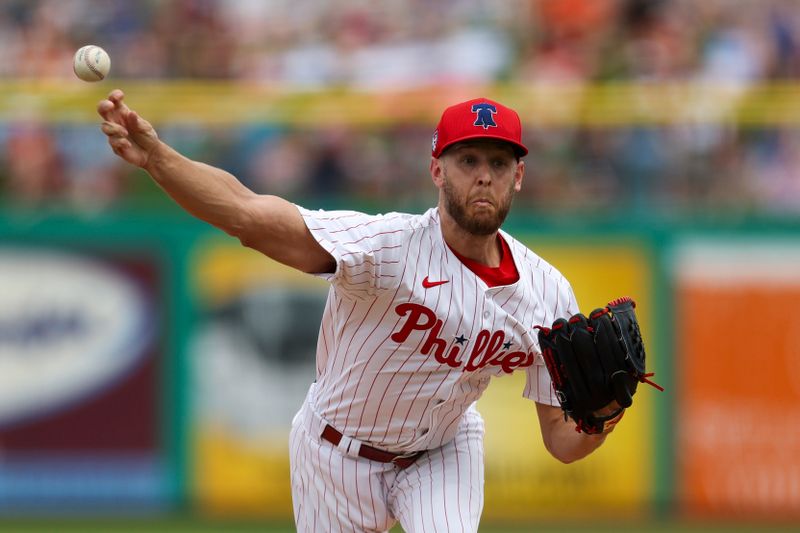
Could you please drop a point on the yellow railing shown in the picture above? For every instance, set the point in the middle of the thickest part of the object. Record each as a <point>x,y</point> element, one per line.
<point>545,105</point>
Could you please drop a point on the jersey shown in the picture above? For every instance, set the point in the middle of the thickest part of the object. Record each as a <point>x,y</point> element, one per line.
<point>410,337</point>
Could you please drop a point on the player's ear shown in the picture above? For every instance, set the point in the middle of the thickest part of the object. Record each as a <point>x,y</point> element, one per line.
<point>437,172</point>
<point>518,175</point>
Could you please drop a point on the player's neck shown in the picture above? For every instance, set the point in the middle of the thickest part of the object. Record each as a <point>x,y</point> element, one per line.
<point>484,249</point>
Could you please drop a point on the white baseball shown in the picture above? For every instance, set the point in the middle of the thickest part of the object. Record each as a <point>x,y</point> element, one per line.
<point>91,63</point>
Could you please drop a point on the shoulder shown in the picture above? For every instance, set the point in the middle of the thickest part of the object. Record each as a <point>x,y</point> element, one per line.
<point>360,222</point>
<point>532,264</point>
<point>548,284</point>
<point>350,234</point>
<point>370,250</point>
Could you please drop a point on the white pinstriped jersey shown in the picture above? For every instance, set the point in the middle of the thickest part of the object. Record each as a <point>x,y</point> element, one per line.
<point>410,336</point>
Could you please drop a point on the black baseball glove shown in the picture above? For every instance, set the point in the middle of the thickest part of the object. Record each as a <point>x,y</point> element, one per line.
<point>594,362</point>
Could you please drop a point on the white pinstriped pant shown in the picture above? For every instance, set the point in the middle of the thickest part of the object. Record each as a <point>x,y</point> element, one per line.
<point>442,491</point>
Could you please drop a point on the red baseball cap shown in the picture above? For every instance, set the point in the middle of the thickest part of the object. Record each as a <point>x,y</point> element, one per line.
<point>480,118</point>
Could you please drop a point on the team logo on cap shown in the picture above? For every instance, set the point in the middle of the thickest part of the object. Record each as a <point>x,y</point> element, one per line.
<point>434,140</point>
<point>484,115</point>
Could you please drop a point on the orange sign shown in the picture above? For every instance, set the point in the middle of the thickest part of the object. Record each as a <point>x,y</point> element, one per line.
<point>738,371</point>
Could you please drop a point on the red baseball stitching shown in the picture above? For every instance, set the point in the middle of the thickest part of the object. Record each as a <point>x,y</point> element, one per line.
<point>89,64</point>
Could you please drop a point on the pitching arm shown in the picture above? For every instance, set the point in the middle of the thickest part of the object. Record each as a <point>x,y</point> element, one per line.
<point>269,224</point>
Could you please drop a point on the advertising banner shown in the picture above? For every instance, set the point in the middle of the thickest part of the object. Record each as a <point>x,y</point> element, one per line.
<point>738,370</point>
<point>80,367</point>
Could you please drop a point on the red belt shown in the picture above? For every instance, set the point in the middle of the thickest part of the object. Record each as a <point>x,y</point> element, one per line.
<point>333,436</point>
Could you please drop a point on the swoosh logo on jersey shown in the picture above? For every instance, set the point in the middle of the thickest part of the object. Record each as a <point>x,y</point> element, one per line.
<point>428,284</point>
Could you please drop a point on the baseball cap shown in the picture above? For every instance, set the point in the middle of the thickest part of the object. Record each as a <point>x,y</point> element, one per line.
<point>480,118</point>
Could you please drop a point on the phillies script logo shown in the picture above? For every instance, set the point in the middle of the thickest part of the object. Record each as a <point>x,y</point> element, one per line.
<point>488,349</point>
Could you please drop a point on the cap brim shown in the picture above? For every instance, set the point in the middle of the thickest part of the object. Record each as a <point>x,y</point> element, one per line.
<point>519,149</point>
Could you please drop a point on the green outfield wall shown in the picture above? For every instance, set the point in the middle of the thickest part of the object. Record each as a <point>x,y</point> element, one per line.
<point>719,442</point>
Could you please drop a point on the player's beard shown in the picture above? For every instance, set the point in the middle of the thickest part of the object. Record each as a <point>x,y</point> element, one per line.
<point>482,223</point>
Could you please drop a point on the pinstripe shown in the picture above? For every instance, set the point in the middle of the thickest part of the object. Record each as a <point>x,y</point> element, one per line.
<point>428,498</point>
<point>364,224</point>
<point>339,216</point>
<point>460,274</point>
<point>298,495</point>
<point>383,365</point>
<point>382,248</point>
<point>528,320</point>
<point>476,323</point>
<point>371,478</point>
<point>325,326</point>
<point>420,504</point>
<point>336,513</point>
<point>444,489</point>
<point>373,387</point>
<point>457,409</point>
<point>312,493</point>
<point>365,237</point>
<point>410,355</point>
<point>458,484</point>
<point>322,503</point>
<point>340,355</point>
<point>351,363</point>
<point>443,259</point>
<point>357,485</point>
<point>431,486</point>
<point>343,459</point>
<point>365,344</point>
<point>555,311</point>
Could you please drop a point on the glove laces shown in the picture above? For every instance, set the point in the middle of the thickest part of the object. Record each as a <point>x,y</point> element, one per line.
<point>643,379</point>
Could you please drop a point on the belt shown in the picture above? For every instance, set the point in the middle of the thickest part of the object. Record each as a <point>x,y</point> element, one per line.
<point>333,436</point>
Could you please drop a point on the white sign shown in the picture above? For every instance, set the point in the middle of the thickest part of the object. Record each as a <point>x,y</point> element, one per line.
<point>70,326</point>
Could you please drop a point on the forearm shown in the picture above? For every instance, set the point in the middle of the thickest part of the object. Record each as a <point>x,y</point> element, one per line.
<point>208,193</point>
<point>567,445</point>
<point>269,224</point>
<point>563,441</point>
<point>266,223</point>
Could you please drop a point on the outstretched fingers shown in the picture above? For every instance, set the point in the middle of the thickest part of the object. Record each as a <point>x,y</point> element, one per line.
<point>130,136</point>
<point>112,129</point>
<point>116,135</point>
<point>113,108</point>
<point>119,146</point>
<point>135,123</point>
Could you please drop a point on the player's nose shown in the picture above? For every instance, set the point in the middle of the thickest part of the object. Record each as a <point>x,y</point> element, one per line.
<point>483,174</point>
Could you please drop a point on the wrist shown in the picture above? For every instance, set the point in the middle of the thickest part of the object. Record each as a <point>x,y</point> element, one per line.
<point>158,158</point>
<point>608,425</point>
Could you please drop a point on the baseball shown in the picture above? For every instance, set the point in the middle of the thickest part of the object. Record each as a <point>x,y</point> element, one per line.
<point>91,63</point>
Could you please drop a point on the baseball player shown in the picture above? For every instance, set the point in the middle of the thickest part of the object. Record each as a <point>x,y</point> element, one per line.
<point>422,311</point>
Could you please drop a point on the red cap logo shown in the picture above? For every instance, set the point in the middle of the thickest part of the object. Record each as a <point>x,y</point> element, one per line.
<point>477,119</point>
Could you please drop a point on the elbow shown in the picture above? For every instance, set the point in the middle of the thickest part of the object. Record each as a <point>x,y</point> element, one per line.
<point>554,451</point>
<point>564,459</point>
<point>247,225</point>
<point>559,455</point>
<point>246,238</point>
<point>568,451</point>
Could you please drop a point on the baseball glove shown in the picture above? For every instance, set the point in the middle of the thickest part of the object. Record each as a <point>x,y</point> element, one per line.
<point>594,362</point>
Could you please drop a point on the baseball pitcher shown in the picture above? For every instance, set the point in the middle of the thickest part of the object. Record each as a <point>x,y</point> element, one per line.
<point>423,310</point>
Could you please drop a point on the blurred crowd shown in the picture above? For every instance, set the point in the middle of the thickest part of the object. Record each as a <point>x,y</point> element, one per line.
<point>376,45</point>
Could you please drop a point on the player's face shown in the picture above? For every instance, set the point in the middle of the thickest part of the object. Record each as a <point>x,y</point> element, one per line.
<point>477,182</point>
